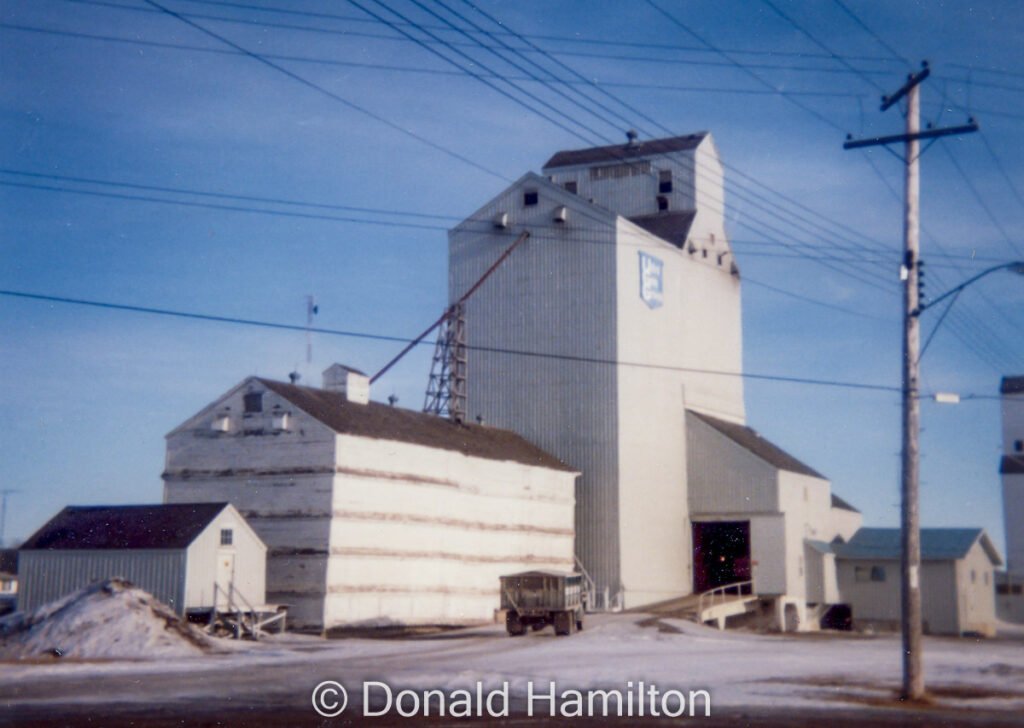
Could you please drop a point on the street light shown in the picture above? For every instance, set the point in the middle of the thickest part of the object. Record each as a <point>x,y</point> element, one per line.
<point>910,562</point>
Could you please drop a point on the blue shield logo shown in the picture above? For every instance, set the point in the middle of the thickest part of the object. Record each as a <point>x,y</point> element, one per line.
<point>651,280</point>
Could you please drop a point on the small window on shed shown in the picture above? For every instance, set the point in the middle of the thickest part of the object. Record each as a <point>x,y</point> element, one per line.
<point>227,537</point>
<point>664,181</point>
<point>662,203</point>
<point>530,198</point>
<point>253,402</point>
<point>877,573</point>
<point>570,186</point>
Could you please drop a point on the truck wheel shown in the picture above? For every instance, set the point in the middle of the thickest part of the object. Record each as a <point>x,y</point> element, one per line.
<point>514,625</point>
<point>563,623</point>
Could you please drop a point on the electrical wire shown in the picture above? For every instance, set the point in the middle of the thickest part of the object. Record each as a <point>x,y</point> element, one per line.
<point>399,339</point>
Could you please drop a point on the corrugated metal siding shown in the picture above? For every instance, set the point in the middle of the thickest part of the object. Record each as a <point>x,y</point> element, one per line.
<point>48,575</point>
<point>723,477</point>
<point>555,295</point>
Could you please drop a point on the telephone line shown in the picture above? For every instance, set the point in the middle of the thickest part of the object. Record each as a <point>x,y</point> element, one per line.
<point>489,349</point>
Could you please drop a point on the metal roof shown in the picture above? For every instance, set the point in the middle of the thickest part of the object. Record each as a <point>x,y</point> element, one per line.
<point>822,547</point>
<point>384,422</point>
<point>937,544</point>
<point>838,502</point>
<point>1012,465</point>
<point>672,227</point>
<point>167,526</point>
<point>748,439</point>
<point>1012,385</point>
<point>621,152</point>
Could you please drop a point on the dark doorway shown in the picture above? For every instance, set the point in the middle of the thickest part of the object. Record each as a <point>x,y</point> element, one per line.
<point>721,553</point>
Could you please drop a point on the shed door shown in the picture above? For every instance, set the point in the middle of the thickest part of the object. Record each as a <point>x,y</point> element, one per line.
<point>225,576</point>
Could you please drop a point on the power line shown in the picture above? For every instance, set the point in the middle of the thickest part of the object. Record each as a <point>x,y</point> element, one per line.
<point>330,94</point>
<point>409,69</point>
<point>399,339</point>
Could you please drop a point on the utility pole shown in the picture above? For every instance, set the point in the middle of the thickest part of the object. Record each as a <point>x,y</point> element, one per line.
<point>910,562</point>
<point>3,513</point>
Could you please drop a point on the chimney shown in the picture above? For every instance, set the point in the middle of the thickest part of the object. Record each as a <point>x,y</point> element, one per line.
<point>348,381</point>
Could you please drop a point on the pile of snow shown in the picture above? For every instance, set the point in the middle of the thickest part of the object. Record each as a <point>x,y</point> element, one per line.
<point>106,619</point>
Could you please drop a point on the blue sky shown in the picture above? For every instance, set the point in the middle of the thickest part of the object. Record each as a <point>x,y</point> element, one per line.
<point>123,92</point>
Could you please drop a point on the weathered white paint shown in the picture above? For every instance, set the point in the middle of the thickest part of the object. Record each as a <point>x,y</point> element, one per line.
<point>367,530</point>
<point>248,555</point>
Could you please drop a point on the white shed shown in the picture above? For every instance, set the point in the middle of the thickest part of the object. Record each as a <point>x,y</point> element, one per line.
<point>190,556</point>
<point>957,579</point>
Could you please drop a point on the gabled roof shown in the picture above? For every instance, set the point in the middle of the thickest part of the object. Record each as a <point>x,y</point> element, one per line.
<point>672,227</point>
<point>937,544</point>
<point>838,502</point>
<point>167,526</point>
<point>384,422</point>
<point>1011,465</point>
<point>1012,385</point>
<point>621,152</point>
<point>748,439</point>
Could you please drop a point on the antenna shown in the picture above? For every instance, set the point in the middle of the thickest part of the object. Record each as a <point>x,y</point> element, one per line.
<point>311,310</point>
<point>3,512</point>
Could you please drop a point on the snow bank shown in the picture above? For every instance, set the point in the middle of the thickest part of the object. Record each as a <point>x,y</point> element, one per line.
<point>107,619</point>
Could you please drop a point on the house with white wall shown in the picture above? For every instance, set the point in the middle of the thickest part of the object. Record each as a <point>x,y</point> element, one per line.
<point>608,334</point>
<point>190,556</point>
<point>957,576</point>
<point>374,515</point>
<point>1010,583</point>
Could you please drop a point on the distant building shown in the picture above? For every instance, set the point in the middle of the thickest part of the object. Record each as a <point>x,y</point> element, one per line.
<point>374,515</point>
<point>957,575</point>
<point>612,338</point>
<point>1010,583</point>
<point>191,556</point>
<point>8,580</point>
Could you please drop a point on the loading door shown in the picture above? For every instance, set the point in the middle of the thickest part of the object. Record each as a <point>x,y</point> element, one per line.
<point>721,553</point>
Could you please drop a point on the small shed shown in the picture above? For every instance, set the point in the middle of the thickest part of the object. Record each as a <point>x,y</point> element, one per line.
<point>957,579</point>
<point>191,556</point>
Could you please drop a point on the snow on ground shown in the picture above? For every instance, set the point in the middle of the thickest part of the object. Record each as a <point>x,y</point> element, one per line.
<point>107,619</point>
<point>736,668</point>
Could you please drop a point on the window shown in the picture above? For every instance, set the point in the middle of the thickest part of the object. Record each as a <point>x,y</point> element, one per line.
<point>1002,588</point>
<point>571,186</point>
<point>1018,445</point>
<point>662,203</point>
<point>227,537</point>
<point>253,402</point>
<point>868,573</point>
<point>1016,589</point>
<point>529,198</point>
<point>664,181</point>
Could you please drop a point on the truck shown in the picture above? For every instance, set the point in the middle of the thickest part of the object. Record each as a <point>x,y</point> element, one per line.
<point>535,599</point>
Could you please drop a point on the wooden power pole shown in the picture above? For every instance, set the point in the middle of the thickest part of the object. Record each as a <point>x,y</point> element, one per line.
<point>910,564</point>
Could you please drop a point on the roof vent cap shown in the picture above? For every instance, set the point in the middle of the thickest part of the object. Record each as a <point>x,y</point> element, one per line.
<point>632,136</point>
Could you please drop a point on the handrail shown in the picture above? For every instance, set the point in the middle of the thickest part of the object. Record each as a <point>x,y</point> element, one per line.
<point>720,591</point>
<point>591,586</point>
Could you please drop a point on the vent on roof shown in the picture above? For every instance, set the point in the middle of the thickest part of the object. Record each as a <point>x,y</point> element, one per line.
<point>348,381</point>
<point>631,138</point>
<point>501,220</point>
<point>560,214</point>
<point>571,186</point>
